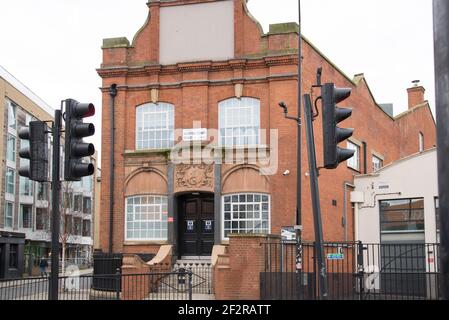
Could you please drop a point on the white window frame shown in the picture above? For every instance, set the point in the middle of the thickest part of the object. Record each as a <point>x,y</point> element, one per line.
<point>223,237</point>
<point>234,108</point>
<point>167,125</point>
<point>162,220</point>
<point>356,156</point>
<point>380,162</point>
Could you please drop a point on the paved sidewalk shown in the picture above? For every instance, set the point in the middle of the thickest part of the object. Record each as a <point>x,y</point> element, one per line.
<point>4,283</point>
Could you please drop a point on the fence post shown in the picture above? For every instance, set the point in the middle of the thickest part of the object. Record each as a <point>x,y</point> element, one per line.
<point>117,283</point>
<point>360,268</point>
<point>190,284</point>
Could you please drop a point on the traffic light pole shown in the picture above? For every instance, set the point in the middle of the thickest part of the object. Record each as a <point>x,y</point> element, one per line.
<point>298,227</point>
<point>56,218</point>
<point>441,38</point>
<point>319,243</point>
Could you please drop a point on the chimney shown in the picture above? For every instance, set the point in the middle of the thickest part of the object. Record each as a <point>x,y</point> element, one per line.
<point>415,94</point>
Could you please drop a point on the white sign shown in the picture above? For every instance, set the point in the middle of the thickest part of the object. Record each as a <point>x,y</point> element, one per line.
<point>288,233</point>
<point>197,134</point>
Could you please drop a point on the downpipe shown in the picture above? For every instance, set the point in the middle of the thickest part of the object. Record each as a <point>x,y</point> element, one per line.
<point>113,95</point>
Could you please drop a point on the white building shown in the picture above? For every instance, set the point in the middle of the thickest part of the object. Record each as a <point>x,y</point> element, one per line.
<point>396,219</point>
<point>398,203</point>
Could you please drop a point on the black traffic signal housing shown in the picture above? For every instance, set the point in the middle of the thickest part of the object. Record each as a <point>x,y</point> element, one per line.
<point>332,134</point>
<point>75,148</point>
<point>36,152</point>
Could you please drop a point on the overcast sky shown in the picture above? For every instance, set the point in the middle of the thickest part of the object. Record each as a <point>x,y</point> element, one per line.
<point>54,46</point>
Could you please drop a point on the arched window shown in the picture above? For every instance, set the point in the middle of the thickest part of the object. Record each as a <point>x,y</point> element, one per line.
<point>239,122</point>
<point>155,126</point>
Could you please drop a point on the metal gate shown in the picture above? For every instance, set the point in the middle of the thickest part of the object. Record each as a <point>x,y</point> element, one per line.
<point>355,271</point>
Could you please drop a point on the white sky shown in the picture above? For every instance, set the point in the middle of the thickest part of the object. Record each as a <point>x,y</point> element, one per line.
<point>54,46</point>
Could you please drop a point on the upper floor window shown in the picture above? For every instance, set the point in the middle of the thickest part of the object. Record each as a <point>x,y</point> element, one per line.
<point>87,183</point>
<point>239,122</point>
<point>78,202</point>
<point>378,163</point>
<point>421,142</point>
<point>26,216</point>
<point>42,191</point>
<point>402,215</point>
<point>42,219</point>
<point>87,205</point>
<point>12,108</point>
<point>77,226</point>
<point>87,228</point>
<point>155,126</point>
<point>25,186</point>
<point>354,162</point>
<point>10,180</point>
<point>11,148</point>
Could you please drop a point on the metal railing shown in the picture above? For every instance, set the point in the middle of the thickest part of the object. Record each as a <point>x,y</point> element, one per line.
<point>149,286</point>
<point>202,274</point>
<point>355,271</point>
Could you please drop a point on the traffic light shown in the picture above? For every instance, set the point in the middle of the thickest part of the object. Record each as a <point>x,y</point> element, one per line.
<point>36,152</point>
<point>75,148</point>
<point>332,134</point>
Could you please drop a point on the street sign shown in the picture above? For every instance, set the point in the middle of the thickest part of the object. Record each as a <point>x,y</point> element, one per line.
<point>288,233</point>
<point>335,256</point>
<point>196,134</point>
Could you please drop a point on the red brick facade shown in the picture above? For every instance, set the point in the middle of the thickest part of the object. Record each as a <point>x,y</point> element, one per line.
<point>266,66</point>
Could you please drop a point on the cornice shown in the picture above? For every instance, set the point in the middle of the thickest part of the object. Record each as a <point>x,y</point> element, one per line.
<point>203,66</point>
<point>205,82</point>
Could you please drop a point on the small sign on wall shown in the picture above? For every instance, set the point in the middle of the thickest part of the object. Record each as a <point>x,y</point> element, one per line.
<point>196,134</point>
<point>288,233</point>
<point>190,224</point>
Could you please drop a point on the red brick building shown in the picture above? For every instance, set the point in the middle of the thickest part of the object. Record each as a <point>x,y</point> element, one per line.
<point>203,70</point>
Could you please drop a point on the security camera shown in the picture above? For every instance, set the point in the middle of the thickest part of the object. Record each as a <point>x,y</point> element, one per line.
<point>286,172</point>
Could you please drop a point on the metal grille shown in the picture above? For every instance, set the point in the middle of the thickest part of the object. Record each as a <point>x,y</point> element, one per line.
<point>355,271</point>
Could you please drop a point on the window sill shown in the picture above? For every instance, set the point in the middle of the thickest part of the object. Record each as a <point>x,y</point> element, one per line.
<point>145,242</point>
<point>146,152</point>
<point>355,170</point>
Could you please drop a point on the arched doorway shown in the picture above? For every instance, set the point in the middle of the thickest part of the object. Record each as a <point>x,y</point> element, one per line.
<point>196,225</point>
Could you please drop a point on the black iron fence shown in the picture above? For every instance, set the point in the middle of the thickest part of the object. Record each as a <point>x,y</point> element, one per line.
<point>177,285</point>
<point>355,271</point>
<point>202,274</point>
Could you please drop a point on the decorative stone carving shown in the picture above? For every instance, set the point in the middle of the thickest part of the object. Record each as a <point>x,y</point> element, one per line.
<point>238,90</point>
<point>154,95</point>
<point>195,176</point>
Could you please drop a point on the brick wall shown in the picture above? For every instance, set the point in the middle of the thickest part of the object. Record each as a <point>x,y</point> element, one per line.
<point>237,273</point>
<point>266,66</point>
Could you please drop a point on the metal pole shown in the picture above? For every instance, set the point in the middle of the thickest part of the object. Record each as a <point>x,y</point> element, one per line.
<point>322,278</point>
<point>441,38</point>
<point>56,218</point>
<point>299,162</point>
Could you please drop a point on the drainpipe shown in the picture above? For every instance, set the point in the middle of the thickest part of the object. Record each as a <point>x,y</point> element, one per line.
<point>345,209</point>
<point>112,94</point>
<point>365,164</point>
